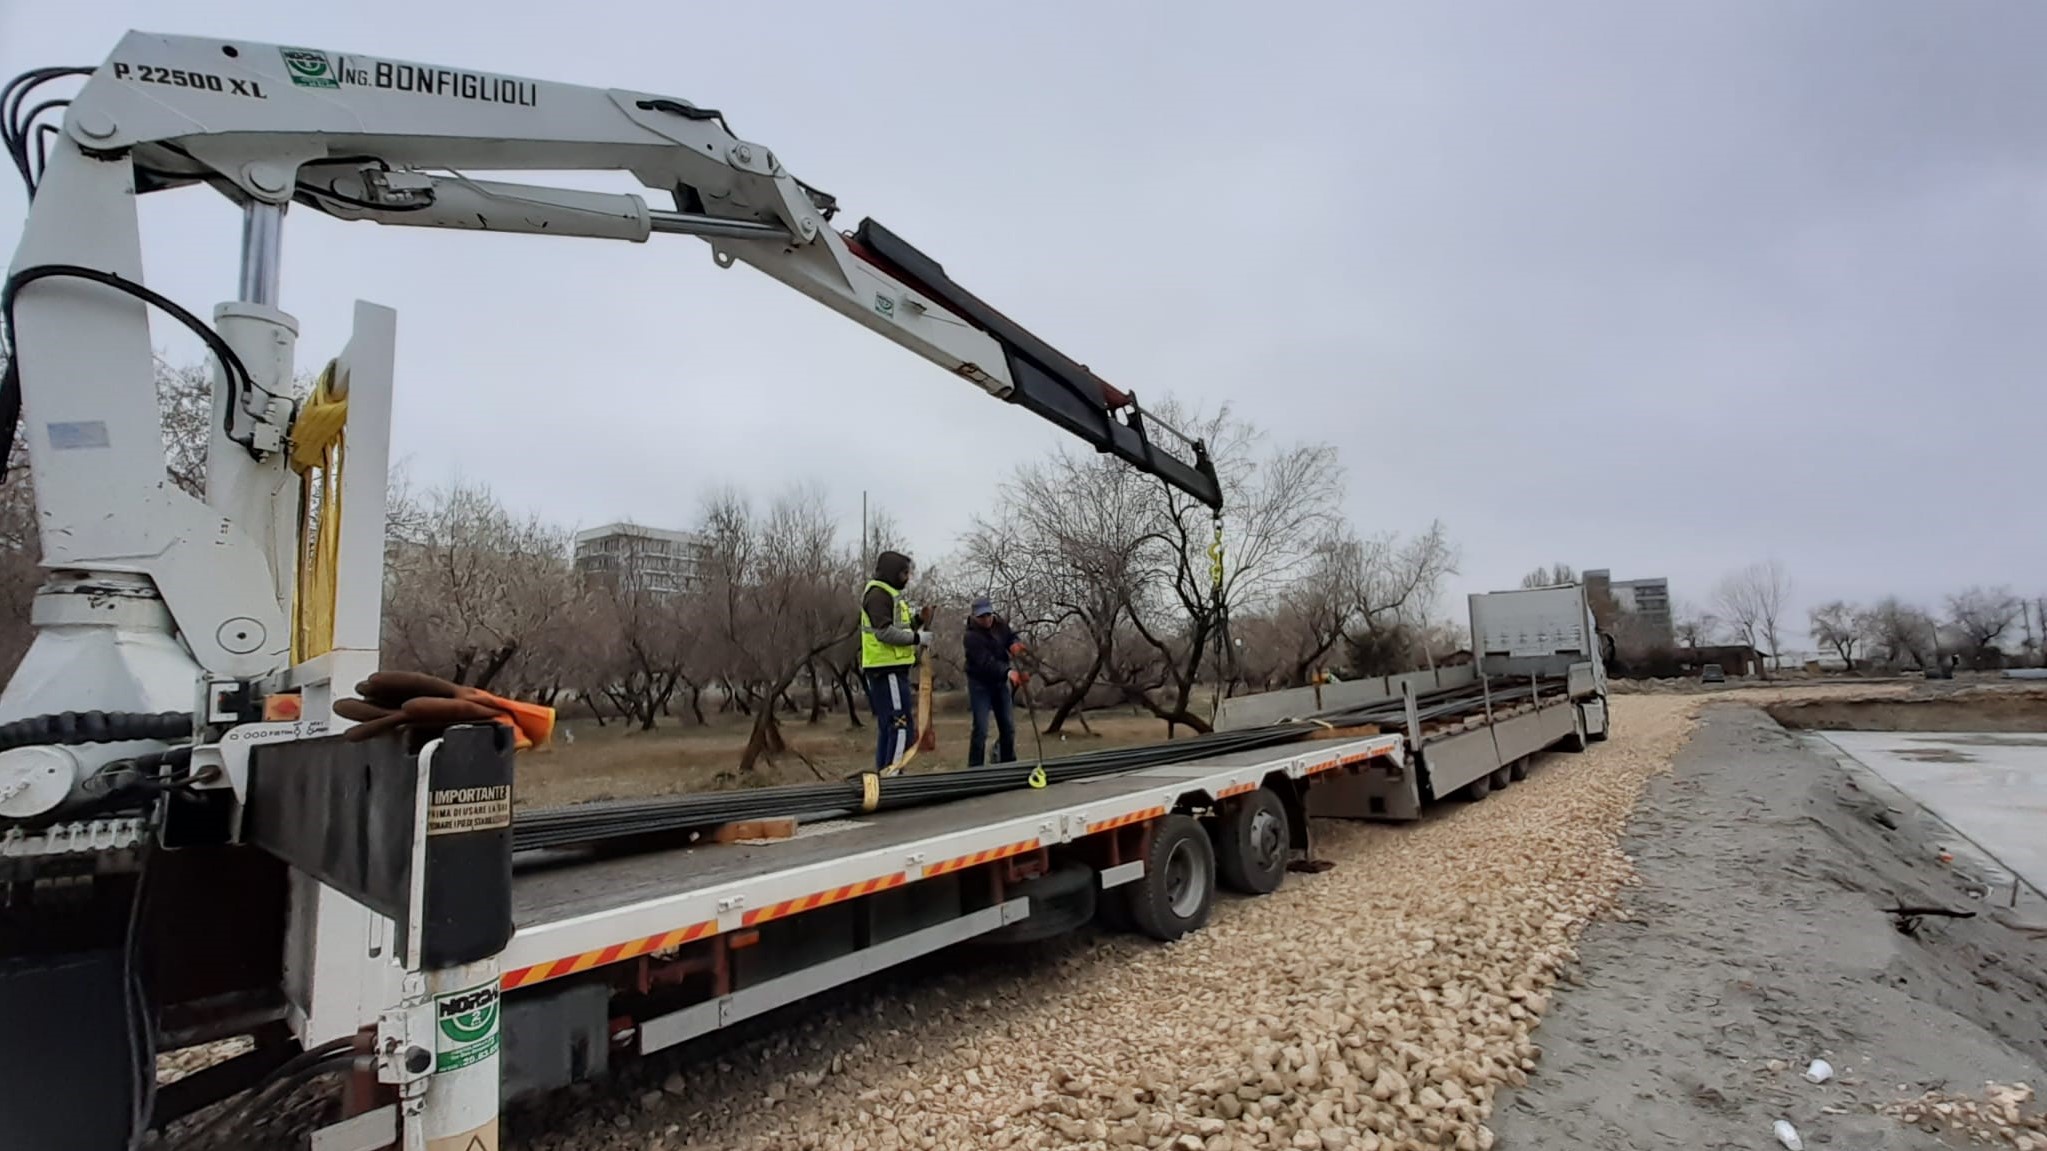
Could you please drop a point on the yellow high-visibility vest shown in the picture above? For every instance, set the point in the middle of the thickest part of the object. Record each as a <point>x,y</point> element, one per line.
<point>873,652</point>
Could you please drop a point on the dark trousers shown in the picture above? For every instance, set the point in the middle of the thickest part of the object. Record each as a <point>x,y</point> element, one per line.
<point>894,704</point>
<point>986,698</point>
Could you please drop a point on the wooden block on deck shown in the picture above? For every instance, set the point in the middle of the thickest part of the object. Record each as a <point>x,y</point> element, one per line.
<point>753,829</point>
<point>1360,730</point>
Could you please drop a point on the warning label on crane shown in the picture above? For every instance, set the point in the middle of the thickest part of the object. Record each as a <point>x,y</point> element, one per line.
<point>466,1027</point>
<point>454,810</point>
<point>309,69</point>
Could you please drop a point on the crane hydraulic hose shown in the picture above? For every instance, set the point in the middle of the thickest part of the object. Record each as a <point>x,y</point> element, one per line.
<point>76,727</point>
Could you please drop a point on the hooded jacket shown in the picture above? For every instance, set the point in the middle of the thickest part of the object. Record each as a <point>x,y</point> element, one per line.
<point>893,569</point>
<point>987,651</point>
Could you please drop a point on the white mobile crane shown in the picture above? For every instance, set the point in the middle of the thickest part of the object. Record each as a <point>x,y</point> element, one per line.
<point>167,620</point>
<point>192,847</point>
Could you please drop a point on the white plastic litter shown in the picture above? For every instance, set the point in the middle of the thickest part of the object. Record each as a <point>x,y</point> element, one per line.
<point>1788,1135</point>
<point>1820,1071</point>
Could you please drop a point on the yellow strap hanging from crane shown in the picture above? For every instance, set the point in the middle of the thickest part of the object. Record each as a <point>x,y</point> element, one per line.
<point>318,443</point>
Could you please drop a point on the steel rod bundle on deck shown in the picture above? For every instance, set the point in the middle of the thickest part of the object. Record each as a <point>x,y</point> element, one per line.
<point>591,823</point>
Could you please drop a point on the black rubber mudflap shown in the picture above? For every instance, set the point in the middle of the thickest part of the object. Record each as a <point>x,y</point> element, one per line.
<point>65,1058</point>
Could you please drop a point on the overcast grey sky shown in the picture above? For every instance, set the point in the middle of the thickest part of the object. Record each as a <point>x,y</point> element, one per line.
<point>1664,288</point>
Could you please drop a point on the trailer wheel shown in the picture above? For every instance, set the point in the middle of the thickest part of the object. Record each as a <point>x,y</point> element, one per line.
<point>1251,845</point>
<point>1502,776</point>
<point>1178,887</point>
<point>1518,770</point>
<point>1479,788</point>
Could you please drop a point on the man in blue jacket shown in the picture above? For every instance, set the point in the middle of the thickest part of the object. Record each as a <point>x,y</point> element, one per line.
<point>989,646</point>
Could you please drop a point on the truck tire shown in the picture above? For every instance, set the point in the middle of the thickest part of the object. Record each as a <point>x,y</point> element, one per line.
<point>1518,770</point>
<point>1502,776</point>
<point>1478,788</point>
<point>1178,888</point>
<point>1252,843</point>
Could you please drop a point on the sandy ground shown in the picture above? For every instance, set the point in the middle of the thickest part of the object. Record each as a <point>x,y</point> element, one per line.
<point>1757,942</point>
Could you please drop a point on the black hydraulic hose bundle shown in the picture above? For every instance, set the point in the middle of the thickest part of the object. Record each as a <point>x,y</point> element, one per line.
<point>78,727</point>
<point>598,822</point>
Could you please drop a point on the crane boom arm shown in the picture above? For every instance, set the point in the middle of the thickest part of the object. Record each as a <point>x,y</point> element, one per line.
<point>393,141</point>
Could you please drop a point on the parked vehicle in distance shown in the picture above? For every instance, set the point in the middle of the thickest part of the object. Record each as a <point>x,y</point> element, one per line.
<point>1711,673</point>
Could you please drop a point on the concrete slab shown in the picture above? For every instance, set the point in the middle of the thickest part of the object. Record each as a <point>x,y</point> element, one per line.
<point>1990,786</point>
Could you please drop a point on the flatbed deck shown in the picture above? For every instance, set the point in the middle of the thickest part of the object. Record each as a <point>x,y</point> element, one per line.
<point>573,914</point>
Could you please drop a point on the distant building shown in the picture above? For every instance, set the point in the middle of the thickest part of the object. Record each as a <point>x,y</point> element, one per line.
<point>1647,601</point>
<point>652,559</point>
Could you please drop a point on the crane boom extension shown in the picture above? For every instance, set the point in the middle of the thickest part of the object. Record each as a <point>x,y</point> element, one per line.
<point>350,136</point>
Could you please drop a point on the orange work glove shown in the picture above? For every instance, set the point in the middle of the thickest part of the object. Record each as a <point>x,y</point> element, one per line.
<point>1016,648</point>
<point>1017,678</point>
<point>390,698</point>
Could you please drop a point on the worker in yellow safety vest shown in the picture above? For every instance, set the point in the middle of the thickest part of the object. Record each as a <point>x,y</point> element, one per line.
<point>890,636</point>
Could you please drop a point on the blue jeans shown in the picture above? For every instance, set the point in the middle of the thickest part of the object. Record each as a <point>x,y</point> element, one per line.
<point>894,704</point>
<point>985,698</point>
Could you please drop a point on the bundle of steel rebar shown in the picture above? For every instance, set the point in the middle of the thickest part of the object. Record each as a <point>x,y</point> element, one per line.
<point>594,822</point>
<point>590,823</point>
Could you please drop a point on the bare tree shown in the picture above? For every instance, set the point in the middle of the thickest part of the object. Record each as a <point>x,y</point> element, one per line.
<point>1283,501</point>
<point>1982,616</point>
<point>1063,549</point>
<point>777,598</point>
<point>1842,627</point>
<point>1314,613</point>
<point>473,587</point>
<point>1396,592</point>
<point>1899,631</point>
<point>184,397</point>
<point>1753,601</point>
<point>1694,626</point>
<point>637,642</point>
<point>1550,576</point>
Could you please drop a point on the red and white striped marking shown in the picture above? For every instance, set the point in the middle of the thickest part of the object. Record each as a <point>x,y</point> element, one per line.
<point>820,899</point>
<point>978,857</point>
<point>631,949</point>
<point>1125,820</point>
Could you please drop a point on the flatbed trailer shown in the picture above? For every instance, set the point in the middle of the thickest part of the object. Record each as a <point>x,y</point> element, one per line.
<point>632,954</point>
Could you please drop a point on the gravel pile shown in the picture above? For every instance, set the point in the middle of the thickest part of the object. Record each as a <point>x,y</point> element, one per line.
<point>1999,1118</point>
<point>1377,1005</point>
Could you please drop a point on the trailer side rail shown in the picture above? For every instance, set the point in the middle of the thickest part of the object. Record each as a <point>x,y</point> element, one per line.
<point>546,951</point>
